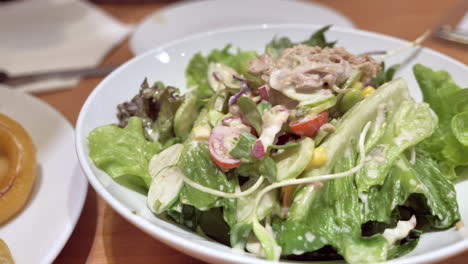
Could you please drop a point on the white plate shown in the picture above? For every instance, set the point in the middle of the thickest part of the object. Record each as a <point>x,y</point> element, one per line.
<point>186,18</point>
<point>39,232</point>
<point>167,63</point>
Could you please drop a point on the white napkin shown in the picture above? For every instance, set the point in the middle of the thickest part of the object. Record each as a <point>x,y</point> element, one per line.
<point>46,35</point>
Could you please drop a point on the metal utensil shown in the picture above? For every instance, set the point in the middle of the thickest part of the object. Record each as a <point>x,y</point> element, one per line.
<point>447,31</point>
<point>17,80</point>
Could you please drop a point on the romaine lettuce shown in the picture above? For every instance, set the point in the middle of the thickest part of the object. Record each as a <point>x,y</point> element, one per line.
<point>334,218</point>
<point>348,129</point>
<point>409,125</point>
<point>405,179</point>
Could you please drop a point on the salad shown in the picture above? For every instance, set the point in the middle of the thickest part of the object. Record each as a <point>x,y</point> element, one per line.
<point>304,152</point>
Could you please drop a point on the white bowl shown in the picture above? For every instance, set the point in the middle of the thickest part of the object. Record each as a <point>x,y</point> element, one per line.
<point>167,63</point>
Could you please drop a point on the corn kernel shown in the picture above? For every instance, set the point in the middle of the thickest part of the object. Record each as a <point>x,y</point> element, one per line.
<point>368,90</point>
<point>201,133</point>
<point>318,158</point>
<point>357,85</point>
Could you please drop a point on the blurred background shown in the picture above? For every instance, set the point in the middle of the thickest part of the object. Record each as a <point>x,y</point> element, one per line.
<point>59,50</point>
<point>46,36</point>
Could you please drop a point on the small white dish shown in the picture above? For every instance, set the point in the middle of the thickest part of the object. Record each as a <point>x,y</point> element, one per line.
<point>167,63</point>
<point>39,232</point>
<point>186,18</point>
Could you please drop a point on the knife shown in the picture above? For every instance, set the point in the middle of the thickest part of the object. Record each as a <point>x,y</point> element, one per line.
<point>17,80</point>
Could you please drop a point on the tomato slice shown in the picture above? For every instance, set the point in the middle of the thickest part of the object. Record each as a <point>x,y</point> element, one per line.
<point>309,126</point>
<point>219,147</point>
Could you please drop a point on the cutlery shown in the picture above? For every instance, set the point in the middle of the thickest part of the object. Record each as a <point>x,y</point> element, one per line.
<point>16,80</point>
<point>445,28</point>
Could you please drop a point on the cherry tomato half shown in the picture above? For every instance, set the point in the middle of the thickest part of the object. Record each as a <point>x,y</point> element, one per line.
<point>309,126</point>
<point>218,147</point>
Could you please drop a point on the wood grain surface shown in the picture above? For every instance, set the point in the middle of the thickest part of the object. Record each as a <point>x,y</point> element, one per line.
<point>103,236</point>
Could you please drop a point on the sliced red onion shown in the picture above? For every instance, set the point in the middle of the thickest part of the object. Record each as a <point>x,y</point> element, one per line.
<point>375,52</point>
<point>263,92</point>
<point>234,98</point>
<point>370,84</point>
<point>258,150</point>
<point>239,78</point>
<point>215,76</point>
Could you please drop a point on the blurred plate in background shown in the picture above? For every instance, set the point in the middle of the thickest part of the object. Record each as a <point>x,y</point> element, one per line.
<point>185,18</point>
<point>39,232</point>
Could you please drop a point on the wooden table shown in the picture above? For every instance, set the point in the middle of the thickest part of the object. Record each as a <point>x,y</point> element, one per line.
<point>103,236</point>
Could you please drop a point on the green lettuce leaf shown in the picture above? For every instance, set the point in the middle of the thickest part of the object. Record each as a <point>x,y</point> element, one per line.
<point>348,129</point>
<point>448,101</point>
<point>185,117</point>
<point>318,39</point>
<point>195,163</point>
<point>276,46</point>
<point>242,224</point>
<point>123,151</point>
<point>437,88</point>
<point>243,147</point>
<point>460,127</point>
<point>197,69</point>
<point>185,215</point>
<point>250,113</point>
<point>405,179</point>
<point>251,167</point>
<point>334,218</point>
<point>239,234</point>
<point>196,75</point>
<point>237,61</point>
<point>385,75</point>
<point>338,211</point>
<point>410,124</point>
<point>440,193</point>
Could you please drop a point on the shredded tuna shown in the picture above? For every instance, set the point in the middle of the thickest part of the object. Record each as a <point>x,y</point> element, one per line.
<point>304,67</point>
<point>262,64</point>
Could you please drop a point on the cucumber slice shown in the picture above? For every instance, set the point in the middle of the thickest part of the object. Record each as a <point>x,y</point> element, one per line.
<point>293,161</point>
<point>315,96</point>
<point>355,76</point>
<point>167,181</point>
<point>221,76</point>
<point>327,104</point>
<point>185,117</point>
<point>167,157</point>
<point>164,190</point>
<point>326,98</point>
